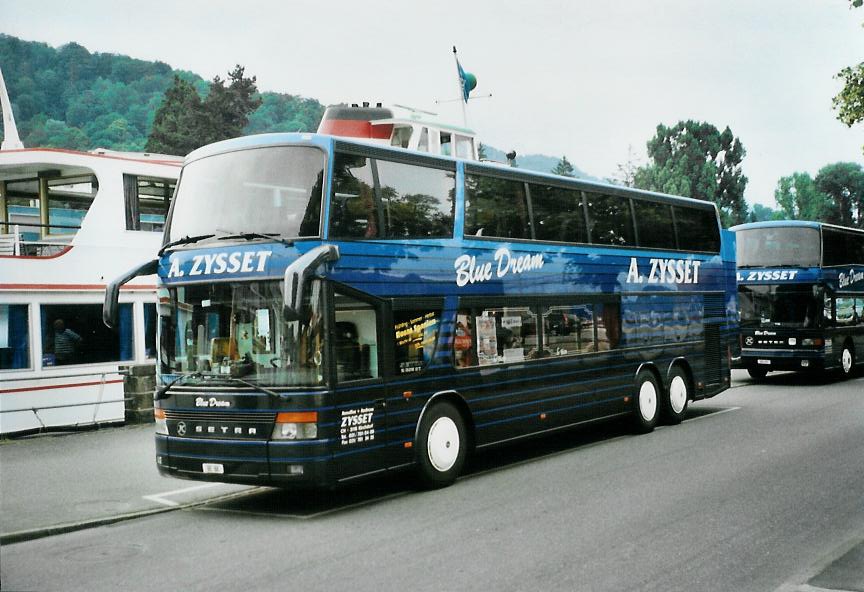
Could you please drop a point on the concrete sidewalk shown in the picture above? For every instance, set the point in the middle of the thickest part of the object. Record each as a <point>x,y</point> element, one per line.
<point>59,482</point>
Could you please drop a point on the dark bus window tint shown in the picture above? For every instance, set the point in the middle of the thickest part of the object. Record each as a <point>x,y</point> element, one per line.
<point>842,248</point>
<point>495,207</point>
<point>353,212</point>
<point>608,319</point>
<point>610,220</point>
<point>417,201</point>
<point>150,319</point>
<point>568,330</point>
<point>75,334</point>
<point>654,225</point>
<point>415,333</point>
<point>697,229</point>
<point>558,214</point>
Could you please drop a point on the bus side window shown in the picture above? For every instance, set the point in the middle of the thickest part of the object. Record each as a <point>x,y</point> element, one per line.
<point>415,333</point>
<point>828,311</point>
<point>608,321</point>
<point>355,339</point>
<point>353,210</point>
<point>568,330</point>
<point>464,352</point>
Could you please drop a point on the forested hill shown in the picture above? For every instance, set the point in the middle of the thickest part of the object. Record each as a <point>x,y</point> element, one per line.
<point>68,97</point>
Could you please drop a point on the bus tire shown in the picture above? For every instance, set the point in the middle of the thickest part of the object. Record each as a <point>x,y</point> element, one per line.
<point>847,360</point>
<point>757,372</point>
<point>441,446</point>
<point>646,402</point>
<point>677,396</point>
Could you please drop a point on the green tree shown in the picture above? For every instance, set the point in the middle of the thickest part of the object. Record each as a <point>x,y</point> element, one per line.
<point>226,109</point>
<point>695,159</point>
<point>563,168</point>
<point>176,125</point>
<point>760,213</point>
<point>799,199</point>
<point>849,102</point>
<point>843,183</point>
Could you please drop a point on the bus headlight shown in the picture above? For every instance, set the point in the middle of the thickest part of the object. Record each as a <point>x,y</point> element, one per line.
<point>815,342</point>
<point>296,426</point>
<point>161,423</point>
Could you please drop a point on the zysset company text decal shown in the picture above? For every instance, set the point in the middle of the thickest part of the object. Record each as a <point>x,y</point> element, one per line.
<point>665,271</point>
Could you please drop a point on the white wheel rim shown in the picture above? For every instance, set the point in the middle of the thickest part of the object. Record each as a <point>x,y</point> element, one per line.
<point>442,444</point>
<point>647,400</point>
<point>847,360</point>
<point>678,394</point>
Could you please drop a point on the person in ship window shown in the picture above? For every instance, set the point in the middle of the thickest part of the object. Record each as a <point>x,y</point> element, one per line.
<point>66,343</point>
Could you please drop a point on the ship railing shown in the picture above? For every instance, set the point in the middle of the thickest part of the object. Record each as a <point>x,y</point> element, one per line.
<point>13,242</point>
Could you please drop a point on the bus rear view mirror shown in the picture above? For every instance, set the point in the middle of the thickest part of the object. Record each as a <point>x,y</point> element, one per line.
<point>111,305</point>
<point>297,276</point>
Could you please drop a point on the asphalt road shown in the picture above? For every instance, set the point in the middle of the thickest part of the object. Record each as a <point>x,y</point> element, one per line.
<point>761,489</point>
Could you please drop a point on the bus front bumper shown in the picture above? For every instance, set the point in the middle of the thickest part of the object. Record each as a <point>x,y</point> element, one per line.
<point>251,462</point>
<point>781,359</point>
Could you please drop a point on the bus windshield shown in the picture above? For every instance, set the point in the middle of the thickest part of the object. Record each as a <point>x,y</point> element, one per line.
<point>775,247</point>
<point>273,190</point>
<point>237,330</point>
<point>779,305</point>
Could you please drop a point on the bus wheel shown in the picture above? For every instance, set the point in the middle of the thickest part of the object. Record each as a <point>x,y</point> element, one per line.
<point>847,360</point>
<point>441,446</point>
<point>677,396</point>
<point>647,403</point>
<point>757,372</point>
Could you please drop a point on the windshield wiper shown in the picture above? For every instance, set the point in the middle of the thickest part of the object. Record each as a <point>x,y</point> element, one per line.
<point>257,387</point>
<point>162,391</point>
<point>272,236</point>
<point>184,241</point>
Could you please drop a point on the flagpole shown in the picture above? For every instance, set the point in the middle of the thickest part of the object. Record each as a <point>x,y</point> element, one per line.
<point>461,84</point>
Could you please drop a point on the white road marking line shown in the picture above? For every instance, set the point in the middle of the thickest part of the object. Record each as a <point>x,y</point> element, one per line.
<point>712,414</point>
<point>159,497</point>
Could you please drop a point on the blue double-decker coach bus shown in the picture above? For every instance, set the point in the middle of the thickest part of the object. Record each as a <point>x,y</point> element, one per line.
<point>330,309</point>
<point>801,296</point>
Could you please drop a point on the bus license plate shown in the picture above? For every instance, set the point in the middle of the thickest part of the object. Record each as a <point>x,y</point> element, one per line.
<point>213,468</point>
<point>764,362</point>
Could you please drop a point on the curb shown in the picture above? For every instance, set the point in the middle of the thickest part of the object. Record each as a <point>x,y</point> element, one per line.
<point>39,533</point>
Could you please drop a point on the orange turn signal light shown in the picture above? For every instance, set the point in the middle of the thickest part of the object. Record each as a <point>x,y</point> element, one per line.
<point>158,413</point>
<point>297,417</point>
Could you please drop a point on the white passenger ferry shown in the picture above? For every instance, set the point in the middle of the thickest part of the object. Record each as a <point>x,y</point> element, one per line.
<point>69,223</point>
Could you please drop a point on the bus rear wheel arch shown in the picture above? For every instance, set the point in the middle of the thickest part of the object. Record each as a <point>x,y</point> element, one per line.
<point>677,395</point>
<point>646,400</point>
<point>442,444</point>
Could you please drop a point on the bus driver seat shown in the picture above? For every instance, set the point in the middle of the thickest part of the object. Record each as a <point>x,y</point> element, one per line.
<point>347,350</point>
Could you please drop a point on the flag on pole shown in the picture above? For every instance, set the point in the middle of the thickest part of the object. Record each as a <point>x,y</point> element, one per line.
<point>467,81</point>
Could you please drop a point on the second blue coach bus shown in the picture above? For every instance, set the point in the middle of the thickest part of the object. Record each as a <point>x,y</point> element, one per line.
<point>331,309</point>
<point>801,296</point>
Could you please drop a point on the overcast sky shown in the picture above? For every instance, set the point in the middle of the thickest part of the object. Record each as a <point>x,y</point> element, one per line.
<point>585,79</point>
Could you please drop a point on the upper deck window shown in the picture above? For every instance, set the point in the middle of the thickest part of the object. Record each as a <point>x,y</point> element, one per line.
<point>67,199</point>
<point>558,214</point>
<point>610,220</point>
<point>655,225</point>
<point>697,229</point>
<point>374,198</point>
<point>842,247</point>
<point>273,190</point>
<point>496,207</point>
<point>776,246</point>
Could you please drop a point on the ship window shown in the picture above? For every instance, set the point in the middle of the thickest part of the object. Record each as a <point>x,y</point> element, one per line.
<point>67,199</point>
<point>75,334</point>
<point>464,146</point>
<point>147,200</point>
<point>14,337</point>
<point>401,136</point>
<point>446,144</point>
<point>423,142</point>
<point>150,320</point>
